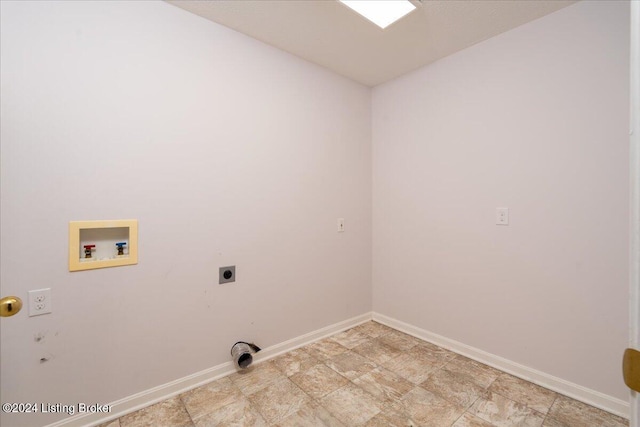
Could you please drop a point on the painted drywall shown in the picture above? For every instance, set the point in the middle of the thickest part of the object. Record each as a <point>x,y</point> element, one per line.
<point>227,152</point>
<point>536,120</point>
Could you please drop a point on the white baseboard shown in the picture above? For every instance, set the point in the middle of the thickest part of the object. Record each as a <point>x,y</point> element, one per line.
<point>575,391</point>
<point>165,391</point>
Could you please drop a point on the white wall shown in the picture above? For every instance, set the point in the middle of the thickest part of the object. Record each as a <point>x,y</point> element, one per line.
<point>536,120</point>
<point>226,150</point>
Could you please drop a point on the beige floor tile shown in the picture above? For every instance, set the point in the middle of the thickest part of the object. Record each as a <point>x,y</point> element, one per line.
<point>319,381</point>
<point>434,351</point>
<point>278,400</point>
<point>535,397</point>
<point>294,361</point>
<point>428,409</point>
<point>311,415</point>
<point>373,329</point>
<point>434,347</point>
<point>209,397</point>
<point>552,422</point>
<point>256,377</point>
<point>351,405</point>
<point>351,365</point>
<point>412,367</point>
<point>469,420</point>
<point>452,388</point>
<point>238,414</point>
<point>376,351</point>
<point>384,378</point>
<point>350,338</point>
<point>569,412</point>
<point>399,340</point>
<point>170,412</point>
<point>383,384</point>
<point>503,412</point>
<point>389,417</point>
<point>470,370</point>
<point>325,349</point>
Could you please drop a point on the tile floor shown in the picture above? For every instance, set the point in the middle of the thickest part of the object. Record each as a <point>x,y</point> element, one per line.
<point>370,375</point>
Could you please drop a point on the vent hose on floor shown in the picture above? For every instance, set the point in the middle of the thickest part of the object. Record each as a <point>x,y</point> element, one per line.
<point>242,354</point>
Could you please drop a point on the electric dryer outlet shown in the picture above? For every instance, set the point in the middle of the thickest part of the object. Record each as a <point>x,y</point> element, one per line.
<point>227,274</point>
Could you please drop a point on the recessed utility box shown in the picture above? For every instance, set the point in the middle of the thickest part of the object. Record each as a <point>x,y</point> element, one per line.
<point>100,244</point>
<point>227,274</point>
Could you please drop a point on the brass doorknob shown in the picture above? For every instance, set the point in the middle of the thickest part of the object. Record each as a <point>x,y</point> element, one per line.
<point>10,306</point>
<point>631,369</point>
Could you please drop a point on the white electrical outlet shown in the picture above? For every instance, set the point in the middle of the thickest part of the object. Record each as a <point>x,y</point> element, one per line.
<point>39,302</point>
<point>502,216</point>
<point>340,225</point>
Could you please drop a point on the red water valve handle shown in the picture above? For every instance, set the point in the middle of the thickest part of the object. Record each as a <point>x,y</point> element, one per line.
<point>87,250</point>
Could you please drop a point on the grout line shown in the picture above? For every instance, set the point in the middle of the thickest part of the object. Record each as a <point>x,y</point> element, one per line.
<point>460,417</point>
<point>547,415</point>
<point>184,405</point>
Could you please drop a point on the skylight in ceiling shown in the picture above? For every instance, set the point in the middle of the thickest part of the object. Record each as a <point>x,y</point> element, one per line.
<point>381,12</point>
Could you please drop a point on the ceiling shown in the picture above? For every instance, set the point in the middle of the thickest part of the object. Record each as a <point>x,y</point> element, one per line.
<point>330,34</point>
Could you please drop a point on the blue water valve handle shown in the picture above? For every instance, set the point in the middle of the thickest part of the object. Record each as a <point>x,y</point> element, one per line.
<point>120,246</point>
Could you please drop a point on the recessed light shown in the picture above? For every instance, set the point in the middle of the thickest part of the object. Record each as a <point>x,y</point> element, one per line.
<point>381,12</point>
